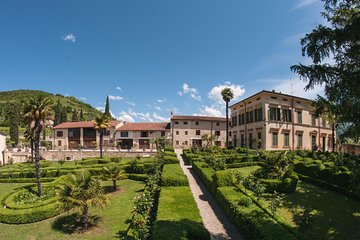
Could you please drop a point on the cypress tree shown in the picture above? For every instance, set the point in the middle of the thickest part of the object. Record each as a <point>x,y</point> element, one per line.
<point>14,119</point>
<point>82,115</point>
<point>75,116</point>
<point>64,117</point>
<point>107,108</point>
<point>58,112</point>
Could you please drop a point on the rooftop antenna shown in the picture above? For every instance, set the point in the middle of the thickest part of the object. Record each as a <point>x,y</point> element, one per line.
<point>292,91</point>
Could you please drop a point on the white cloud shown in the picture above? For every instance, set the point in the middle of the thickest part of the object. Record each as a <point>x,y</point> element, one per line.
<point>118,88</point>
<point>186,89</point>
<point>296,87</point>
<point>70,37</point>
<point>116,98</point>
<point>160,118</point>
<point>215,92</point>
<point>101,109</point>
<point>213,111</point>
<point>303,3</point>
<point>157,108</point>
<point>124,116</point>
<point>130,103</point>
<point>161,100</point>
<point>82,98</point>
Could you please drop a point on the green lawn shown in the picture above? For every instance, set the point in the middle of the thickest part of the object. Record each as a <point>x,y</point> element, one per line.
<point>6,188</point>
<point>246,171</point>
<point>114,218</point>
<point>338,216</point>
<point>178,216</point>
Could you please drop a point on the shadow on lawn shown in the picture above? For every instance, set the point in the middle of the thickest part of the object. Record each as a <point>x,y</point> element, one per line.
<point>69,224</point>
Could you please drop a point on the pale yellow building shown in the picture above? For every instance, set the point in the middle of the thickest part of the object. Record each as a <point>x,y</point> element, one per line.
<point>82,135</point>
<point>132,135</point>
<point>186,131</point>
<point>275,121</point>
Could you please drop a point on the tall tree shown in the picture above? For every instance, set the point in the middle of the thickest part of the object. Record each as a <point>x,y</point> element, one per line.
<point>107,108</point>
<point>83,191</point>
<point>58,112</point>
<point>29,136</point>
<point>75,116</point>
<point>36,115</point>
<point>101,124</point>
<point>14,122</point>
<point>227,96</point>
<point>82,115</point>
<point>339,41</point>
<point>64,116</point>
<point>328,111</point>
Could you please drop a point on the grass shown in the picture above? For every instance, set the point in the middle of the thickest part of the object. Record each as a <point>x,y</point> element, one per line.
<point>178,216</point>
<point>7,188</point>
<point>246,171</point>
<point>114,218</point>
<point>337,216</point>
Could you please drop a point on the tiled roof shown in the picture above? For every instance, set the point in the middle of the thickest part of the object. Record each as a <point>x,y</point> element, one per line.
<point>145,126</point>
<point>84,124</point>
<point>198,118</point>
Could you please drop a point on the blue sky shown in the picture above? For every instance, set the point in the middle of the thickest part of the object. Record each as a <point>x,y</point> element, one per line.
<point>154,57</point>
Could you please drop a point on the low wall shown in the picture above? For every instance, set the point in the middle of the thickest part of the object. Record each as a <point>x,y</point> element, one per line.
<point>353,149</point>
<point>77,155</point>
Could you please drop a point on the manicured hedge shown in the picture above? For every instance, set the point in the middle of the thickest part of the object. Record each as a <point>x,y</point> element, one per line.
<point>136,177</point>
<point>173,175</point>
<point>242,164</point>
<point>288,185</point>
<point>11,216</point>
<point>251,220</point>
<point>25,180</point>
<point>205,174</point>
<point>178,216</point>
<point>171,160</point>
<point>11,204</point>
<point>170,153</point>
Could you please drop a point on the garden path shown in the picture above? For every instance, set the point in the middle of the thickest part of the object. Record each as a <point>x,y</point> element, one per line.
<point>214,218</point>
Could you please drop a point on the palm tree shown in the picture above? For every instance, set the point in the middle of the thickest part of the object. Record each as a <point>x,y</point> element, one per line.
<point>328,111</point>
<point>112,172</point>
<point>29,136</point>
<point>227,95</point>
<point>102,123</point>
<point>37,115</point>
<point>82,191</point>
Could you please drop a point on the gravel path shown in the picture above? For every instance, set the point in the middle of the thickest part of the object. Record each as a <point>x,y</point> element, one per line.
<point>214,218</point>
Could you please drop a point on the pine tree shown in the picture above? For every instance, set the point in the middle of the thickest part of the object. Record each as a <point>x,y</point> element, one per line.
<point>75,116</point>
<point>107,108</point>
<point>64,116</point>
<point>82,115</point>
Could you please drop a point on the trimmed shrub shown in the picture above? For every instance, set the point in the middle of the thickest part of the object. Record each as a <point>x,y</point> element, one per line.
<point>342,179</point>
<point>115,159</point>
<point>136,177</point>
<point>242,164</point>
<point>170,153</point>
<point>205,174</point>
<point>287,185</point>
<point>171,160</point>
<point>173,175</point>
<point>25,180</point>
<point>222,178</point>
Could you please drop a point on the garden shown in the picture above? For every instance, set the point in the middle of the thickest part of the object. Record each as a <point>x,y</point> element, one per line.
<point>283,195</point>
<point>99,198</point>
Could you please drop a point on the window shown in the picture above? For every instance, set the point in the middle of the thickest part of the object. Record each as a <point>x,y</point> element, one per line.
<point>124,134</point>
<point>249,117</point>
<point>242,119</point>
<point>59,133</point>
<point>176,123</point>
<point>186,143</point>
<point>274,114</point>
<point>242,140</point>
<point>107,132</point>
<point>234,120</point>
<point>299,117</point>
<point>299,140</point>
<point>250,140</point>
<point>286,115</point>
<point>217,133</point>
<point>185,123</point>
<point>177,143</point>
<point>186,132</point>
<point>258,114</point>
<point>259,140</point>
<point>218,143</point>
<point>275,139</point>
<point>177,132</point>
<point>197,132</point>
<point>144,134</point>
<point>273,97</point>
<point>163,133</point>
<point>196,123</point>
<point>286,140</point>
<point>59,143</point>
<point>313,120</point>
<point>323,123</point>
<point>313,142</point>
<point>217,124</point>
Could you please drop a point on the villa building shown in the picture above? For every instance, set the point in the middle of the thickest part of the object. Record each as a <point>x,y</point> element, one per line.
<point>187,131</point>
<point>76,135</point>
<point>132,135</point>
<point>276,121</point>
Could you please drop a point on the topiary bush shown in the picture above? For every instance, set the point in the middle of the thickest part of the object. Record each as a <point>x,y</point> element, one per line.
<point>173,175</point>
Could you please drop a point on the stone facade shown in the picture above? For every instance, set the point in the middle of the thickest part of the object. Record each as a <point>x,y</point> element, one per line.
<point>275,121</point>
<point>2,148</point>
<point>187,131</point>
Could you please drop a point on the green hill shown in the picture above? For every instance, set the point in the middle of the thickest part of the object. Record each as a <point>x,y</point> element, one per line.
<point>20,96</point>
